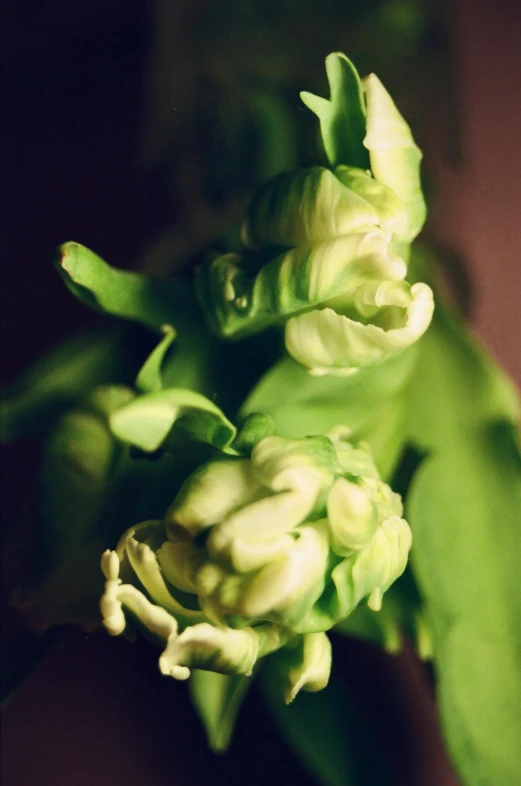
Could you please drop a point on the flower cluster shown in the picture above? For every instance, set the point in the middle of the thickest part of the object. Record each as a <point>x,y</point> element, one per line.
<point>260,554</point>
<point>325,249</point>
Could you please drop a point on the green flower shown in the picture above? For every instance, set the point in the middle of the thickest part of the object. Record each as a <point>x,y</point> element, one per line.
<point>324,248</point>
<point>260,554</point>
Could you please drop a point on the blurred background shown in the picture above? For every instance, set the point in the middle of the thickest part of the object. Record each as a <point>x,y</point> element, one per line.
<point>140,129</point>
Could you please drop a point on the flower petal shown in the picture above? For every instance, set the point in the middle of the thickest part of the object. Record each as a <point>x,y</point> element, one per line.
<point>395,158</point>
<point>306,666</point>
<point>327,342</point>
<point>351,516</point>
<point>305,206</point>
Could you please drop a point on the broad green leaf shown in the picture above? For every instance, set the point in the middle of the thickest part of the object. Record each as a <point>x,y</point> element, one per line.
<point>61,379</point>
<point>122,293</point>
<point>149,379</point>
<point>147,420</point>
<point>372,403</point>
<point>328,732</point>
<point>464,507</point>
<point>79,463</point>
<point>342,118</point>
<point>456,385</point>
<point>76,466</point>
<point>217,699</point>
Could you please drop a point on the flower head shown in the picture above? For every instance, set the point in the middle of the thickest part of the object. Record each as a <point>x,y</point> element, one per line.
<point>325,249</point>
<point>259,554</point>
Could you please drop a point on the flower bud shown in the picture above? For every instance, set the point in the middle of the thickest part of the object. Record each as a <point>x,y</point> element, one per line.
<point>320,254</point>
<point>260,554</point>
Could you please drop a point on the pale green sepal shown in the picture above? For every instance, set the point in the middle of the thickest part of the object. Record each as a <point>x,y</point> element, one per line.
<point>395,158</point>
<point>304,665</point>
<point>327,342</point>
<point>147,421</point>
<point>118,292</point>
<point>149,378</point>
<point>342,118</point>
<point>306,206</point>
<point>217,699</point>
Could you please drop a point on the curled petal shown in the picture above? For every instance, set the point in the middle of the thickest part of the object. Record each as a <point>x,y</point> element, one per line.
<point>327,342</point>
<point>290,464</point>
<point>395,158</point>
<point>259,523</point>
<point>383,561</point>
<point>294,579</point>
<point>351,516</point>
<point>392,216</point>
<point>250,555</point>
<point>180,562</point>
<point>222,650</point>
<point>146,567</point>
<point>211,493</point>
<point>119,598</point>
<point>310,274</point>
<point>298,470</point>
<point>306,206</point>
<point>306,666</point>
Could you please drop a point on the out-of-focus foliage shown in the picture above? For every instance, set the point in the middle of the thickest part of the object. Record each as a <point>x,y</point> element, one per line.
<point>237,68</point>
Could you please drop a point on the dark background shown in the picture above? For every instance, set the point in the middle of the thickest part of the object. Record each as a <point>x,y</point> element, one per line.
<point>97,711</point>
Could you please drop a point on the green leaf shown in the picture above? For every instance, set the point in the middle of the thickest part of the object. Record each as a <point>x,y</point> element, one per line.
<point>149,379</point>
<point>217,699</point>
<point>371,402</point>
<point>464,508</point>
<point>57,382</point>
<point>328,733</point>
<point>119,292</point>
<point>147,420</point>
<point>78,467</point>
<point>342,118</point>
